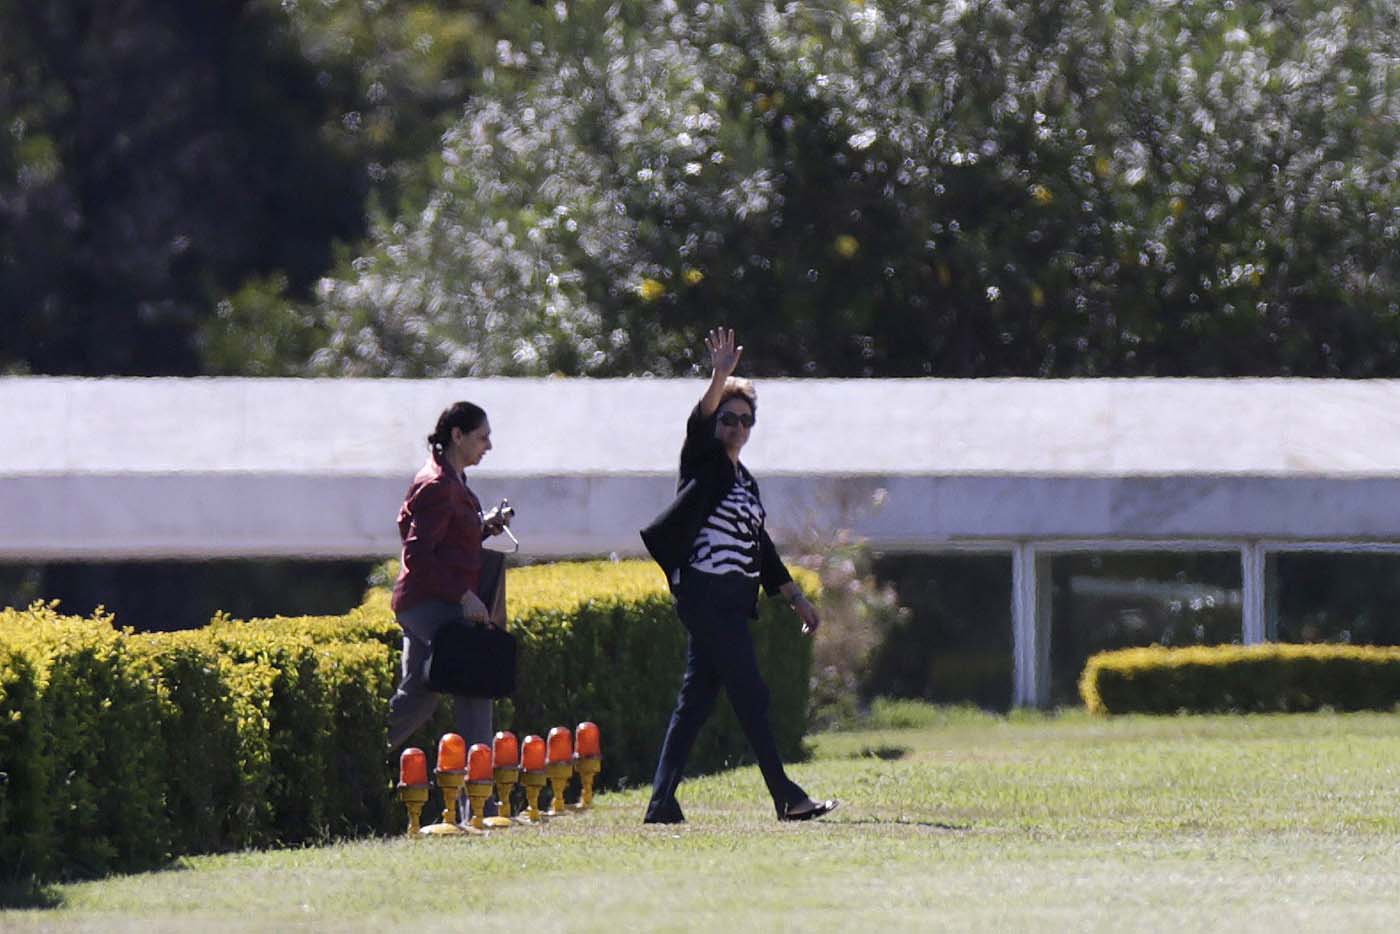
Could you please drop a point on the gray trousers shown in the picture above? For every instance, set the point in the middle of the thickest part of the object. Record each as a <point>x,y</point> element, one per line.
<point>413,704</point>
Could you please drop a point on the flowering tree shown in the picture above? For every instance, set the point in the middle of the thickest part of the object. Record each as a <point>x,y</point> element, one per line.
<point>1053,187</point>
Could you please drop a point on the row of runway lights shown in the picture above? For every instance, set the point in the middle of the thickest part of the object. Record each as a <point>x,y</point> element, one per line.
<point>482,769</point>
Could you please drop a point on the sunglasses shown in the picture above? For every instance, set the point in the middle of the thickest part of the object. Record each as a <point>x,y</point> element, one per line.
<point>730,419</point>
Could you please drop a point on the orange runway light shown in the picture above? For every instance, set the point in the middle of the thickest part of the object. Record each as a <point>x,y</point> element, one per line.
<point>588,761</point>
<point>479,763</point>
<point>505,761</point>
<point>533,778</point>
<point>479,782</point>
<point>451,774</point>
<point>589,742</point>
<point>534,754</point>
<point>413,767</point>
<point>413,785</point>
<point>505,751</point>
<point>560,767</point>
<point>561,745</point>
<point>452,753</point>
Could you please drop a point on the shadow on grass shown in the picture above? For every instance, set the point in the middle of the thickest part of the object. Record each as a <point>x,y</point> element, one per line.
<point>28,895</point>
<point>904,822</point>
<point>886,752</point>
<point>16,894</point>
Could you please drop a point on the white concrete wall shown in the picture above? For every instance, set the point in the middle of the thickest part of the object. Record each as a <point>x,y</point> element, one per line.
<point>189,468</point>
<point>1074,428</point>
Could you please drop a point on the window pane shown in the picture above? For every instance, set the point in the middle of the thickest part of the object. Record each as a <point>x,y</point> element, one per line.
<point>955,645</point>
<point>1108,601</point>
<point>1336,598</point>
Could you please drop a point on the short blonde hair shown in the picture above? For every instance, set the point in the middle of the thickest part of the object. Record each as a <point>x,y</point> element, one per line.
<point>736,387</point>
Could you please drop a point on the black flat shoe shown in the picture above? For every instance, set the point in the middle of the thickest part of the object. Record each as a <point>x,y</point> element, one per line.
<point>667,814</point>
<point>817,809</point>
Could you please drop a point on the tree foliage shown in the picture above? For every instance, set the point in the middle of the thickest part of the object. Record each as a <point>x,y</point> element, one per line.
<point>956,187</point>
<point>399,72</point>
<point>173,178</point>
<point>153,156</point>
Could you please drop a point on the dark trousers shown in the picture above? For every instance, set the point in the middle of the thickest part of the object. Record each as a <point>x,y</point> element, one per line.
<point>715,611</point>
<point>413,704</point>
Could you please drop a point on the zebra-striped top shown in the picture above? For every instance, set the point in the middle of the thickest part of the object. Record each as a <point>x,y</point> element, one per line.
<point>728,541</point>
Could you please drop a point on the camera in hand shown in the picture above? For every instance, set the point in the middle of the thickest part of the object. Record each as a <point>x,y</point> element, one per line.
<point>497,522</point>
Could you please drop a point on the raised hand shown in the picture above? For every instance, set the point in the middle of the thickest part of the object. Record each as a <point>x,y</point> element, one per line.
<point>724,355</point>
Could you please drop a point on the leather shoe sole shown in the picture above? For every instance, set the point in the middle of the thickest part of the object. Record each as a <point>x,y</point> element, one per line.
<point>821,808</point>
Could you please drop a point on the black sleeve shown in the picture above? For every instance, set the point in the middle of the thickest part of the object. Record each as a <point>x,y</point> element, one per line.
<point>700,441</point>
<point>772,573</point>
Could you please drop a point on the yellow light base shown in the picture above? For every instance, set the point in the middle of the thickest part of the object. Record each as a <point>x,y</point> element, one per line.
<point>450,781</point>
<point>506,779</point>
<point>451,830</point>
<point>413,798</point>
<point>559,774</point>
<point>477,793</point>
<point>587,770</point>
<point>534,783</point>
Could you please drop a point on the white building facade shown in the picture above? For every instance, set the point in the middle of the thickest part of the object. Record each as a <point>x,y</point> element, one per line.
<point>113,469</point>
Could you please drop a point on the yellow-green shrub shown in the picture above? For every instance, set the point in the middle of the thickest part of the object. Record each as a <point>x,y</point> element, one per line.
<point>318,764</point>
<point>120,749</point>
<point>1256,678</point>
<point>214,735</point>
<point>88,799</point>
<point>598,640</point>
<point>371,622</point>
<point>26,840</point>
<point>359,679</point>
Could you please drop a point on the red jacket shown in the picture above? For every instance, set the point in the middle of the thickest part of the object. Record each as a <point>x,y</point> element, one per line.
<point>440,527</point>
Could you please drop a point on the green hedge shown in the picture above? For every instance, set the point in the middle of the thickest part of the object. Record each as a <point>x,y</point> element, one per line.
<point>74,699</point>
<point>619,664</point>
<point>120,750</point>
<point>1252,679</point>
<point>599,640</point>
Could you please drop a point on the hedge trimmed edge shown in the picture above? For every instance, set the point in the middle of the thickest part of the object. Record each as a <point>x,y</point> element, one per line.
<point>1272,678</point>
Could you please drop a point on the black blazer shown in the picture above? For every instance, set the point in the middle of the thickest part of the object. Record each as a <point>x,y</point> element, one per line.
<point>706,476</point>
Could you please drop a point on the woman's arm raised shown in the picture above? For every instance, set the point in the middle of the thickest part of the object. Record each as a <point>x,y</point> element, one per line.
<point>724,357</point>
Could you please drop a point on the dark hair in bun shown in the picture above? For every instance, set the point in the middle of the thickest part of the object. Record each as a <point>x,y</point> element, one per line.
<point>464,415</point>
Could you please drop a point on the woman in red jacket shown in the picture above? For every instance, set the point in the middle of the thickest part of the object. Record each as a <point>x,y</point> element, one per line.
<point>441,527</point>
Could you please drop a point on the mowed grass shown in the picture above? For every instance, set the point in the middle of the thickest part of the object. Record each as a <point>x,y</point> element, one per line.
<point>952,820</point>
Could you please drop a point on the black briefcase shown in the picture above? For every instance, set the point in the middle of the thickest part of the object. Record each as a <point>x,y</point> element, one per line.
<point>471,660</point>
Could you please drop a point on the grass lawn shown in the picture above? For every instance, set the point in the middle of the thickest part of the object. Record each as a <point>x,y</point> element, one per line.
<point>952,820</point>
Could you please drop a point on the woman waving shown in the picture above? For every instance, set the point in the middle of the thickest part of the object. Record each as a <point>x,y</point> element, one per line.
<point>715,550</point>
